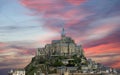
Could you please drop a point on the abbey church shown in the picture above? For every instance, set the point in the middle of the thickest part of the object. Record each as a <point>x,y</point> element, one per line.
<point>63,47</point>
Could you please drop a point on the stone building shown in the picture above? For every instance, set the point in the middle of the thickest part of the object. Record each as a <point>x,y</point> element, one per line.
<point>63,47</point>
<point>17,72</point>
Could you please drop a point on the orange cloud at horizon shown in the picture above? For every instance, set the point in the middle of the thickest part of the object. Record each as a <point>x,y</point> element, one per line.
<point>107,54</point>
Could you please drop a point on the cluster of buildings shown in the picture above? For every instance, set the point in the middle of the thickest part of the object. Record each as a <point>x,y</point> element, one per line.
<point>94,67</point>
<point>63,57</point>
<point>17,72</point>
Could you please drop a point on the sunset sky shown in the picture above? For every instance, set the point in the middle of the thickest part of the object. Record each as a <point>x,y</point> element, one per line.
<point>26,25</point>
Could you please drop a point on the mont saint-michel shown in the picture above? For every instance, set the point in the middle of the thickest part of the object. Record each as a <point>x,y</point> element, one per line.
<point>63,57</point>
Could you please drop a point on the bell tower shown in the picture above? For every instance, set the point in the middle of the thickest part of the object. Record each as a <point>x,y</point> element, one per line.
<point>63,33</point>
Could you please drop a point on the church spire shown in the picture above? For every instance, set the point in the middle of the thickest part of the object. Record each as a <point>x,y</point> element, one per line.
<point>63,33</point>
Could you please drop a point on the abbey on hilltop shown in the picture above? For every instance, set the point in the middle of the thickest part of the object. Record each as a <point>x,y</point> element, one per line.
<point>64,57</point>
<point>64,47</point>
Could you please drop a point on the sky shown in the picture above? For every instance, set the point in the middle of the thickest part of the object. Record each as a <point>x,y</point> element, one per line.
<point>26,25</point>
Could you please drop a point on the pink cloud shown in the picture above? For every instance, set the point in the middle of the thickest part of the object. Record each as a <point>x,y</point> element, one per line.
<point>2,44</point>
<point>116,64</point>
<point>55,10</point>
<point>105,52</point>
<point>76,2</point>
<point>42,6</point>
<point>15,56</point>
